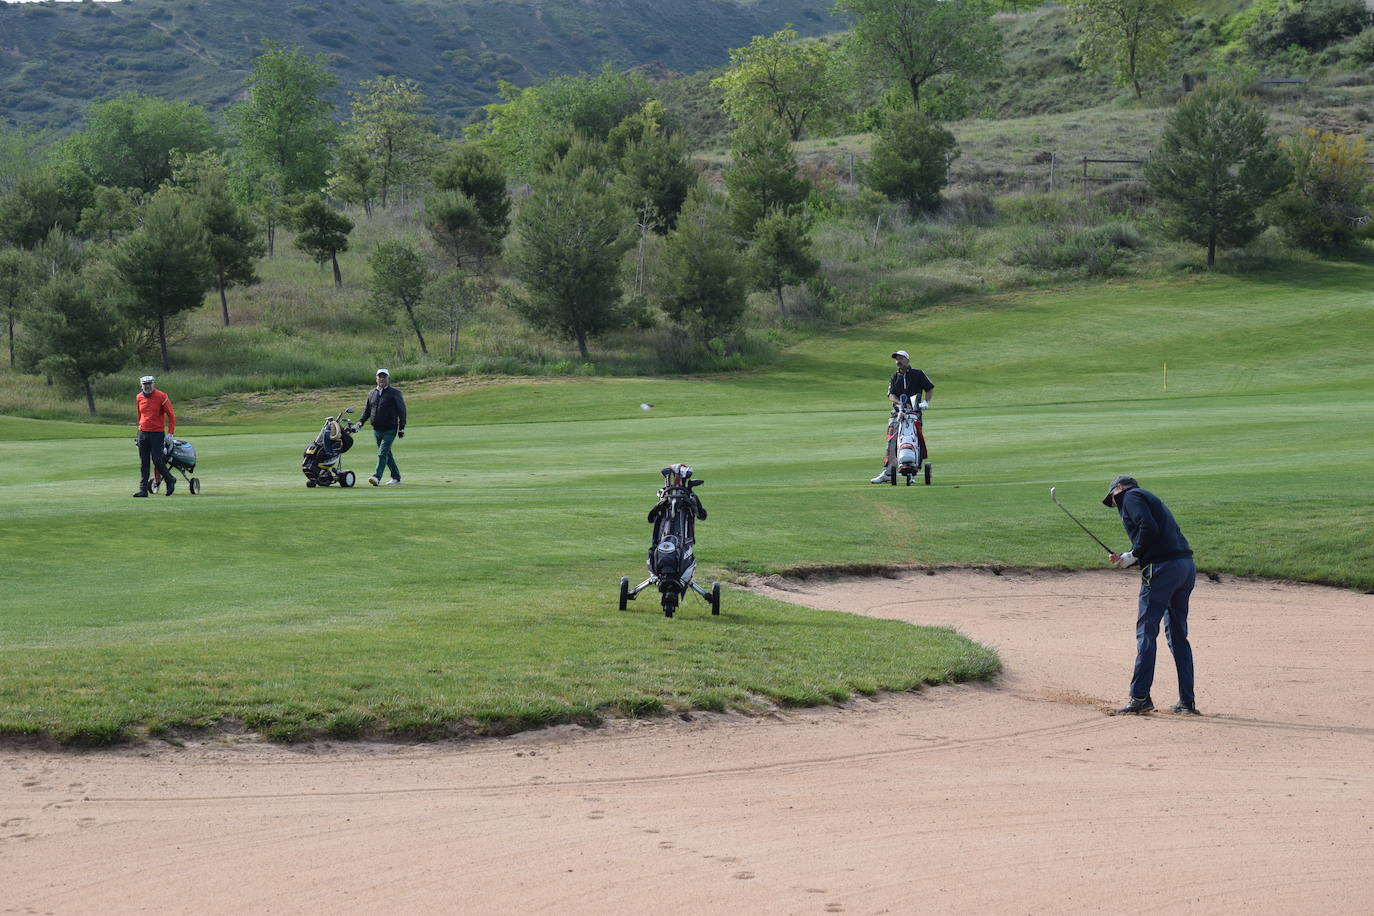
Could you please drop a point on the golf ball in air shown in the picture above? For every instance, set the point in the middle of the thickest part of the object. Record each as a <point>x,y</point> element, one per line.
<point>645,406</point>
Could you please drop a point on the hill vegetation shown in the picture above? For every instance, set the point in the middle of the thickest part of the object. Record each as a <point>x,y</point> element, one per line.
<point>56,58</point>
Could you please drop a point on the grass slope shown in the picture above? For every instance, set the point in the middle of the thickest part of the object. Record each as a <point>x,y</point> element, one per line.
<point>479,596</point>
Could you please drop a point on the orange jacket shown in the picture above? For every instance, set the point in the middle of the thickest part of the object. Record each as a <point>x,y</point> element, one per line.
<point>151,407</point>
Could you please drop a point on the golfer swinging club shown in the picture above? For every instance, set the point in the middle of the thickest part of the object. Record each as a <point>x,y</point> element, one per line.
<point>1167,574</point>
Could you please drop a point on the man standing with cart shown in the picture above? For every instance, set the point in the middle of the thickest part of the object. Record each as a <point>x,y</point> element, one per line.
<point>154,415</point>
<point>915,387</point>
<point>387,409</point>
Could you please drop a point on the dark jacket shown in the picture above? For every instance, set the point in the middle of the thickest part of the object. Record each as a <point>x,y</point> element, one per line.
<point>386,407</point>
<point>911,383</point>
<point>1155,536</point>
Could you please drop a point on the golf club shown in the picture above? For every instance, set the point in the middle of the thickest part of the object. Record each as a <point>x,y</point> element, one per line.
<point>1078,523</point>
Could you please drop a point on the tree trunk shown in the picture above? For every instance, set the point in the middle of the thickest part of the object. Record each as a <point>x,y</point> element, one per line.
<point>1211,250</point>
<point>782,306</point>
<point>915,85</point>
<point>582,343</point>
<point>90,396</point>
<point>11,316</point>
<point>162,343</point>
<point>223,299</point>
<point>338,277</point>
<point>416,325</point>
<point>271,237</point>
<point>453,328</point>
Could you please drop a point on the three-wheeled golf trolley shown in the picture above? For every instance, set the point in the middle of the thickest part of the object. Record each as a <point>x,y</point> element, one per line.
<point>672,556</point>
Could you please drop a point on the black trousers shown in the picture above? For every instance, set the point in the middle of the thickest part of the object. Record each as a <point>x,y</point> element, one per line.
<point>150,449</point>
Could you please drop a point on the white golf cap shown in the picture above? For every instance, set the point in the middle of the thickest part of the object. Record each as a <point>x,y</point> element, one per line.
<point>901,353</point>
<point>147,379</point>
<point>384,372</point>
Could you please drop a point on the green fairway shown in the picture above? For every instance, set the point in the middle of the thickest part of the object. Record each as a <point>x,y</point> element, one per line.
<point>481,594</point>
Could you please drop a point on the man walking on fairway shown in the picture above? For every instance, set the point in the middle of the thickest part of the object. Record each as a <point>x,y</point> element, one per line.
<point>916,387</point>
<point>154,408</point>
<point>1167,574</point>
<point>387,409</point>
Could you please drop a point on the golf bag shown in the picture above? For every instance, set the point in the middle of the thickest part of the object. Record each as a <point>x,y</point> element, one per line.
<point>321,464</point>
<point>672,549</point>
<point>906,457</point>
<point>180,457</point>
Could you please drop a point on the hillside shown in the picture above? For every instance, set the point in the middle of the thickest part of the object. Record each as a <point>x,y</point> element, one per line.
<point>56,58</point>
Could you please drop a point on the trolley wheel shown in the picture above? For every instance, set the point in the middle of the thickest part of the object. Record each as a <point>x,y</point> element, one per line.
<point>310,483</point>
<point>624,592</point>
<point>194,485</point>
<point>347,479</point>
<point>669,605</point>
<point>892,478</point>
<point>908,479</point>
<point>927,473</point>
<point>715,598</point>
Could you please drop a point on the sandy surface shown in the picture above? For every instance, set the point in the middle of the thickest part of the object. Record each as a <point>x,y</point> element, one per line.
<point>1020,797</point>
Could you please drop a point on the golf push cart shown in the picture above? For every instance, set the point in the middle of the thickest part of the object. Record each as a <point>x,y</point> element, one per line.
<point>905,424</point>
<point>321,464</point>
<point>672,558</point>
<point>180,457</point>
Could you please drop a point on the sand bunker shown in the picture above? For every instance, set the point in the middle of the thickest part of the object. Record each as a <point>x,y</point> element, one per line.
<point>1022,796</point>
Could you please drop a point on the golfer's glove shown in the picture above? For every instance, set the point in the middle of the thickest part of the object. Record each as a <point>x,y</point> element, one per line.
<point>1124,560</point>
<point>923,405</point>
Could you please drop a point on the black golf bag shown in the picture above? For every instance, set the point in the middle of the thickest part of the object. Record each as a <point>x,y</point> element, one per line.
<point>180,457</point>
<point>672,549</point>
<point>321,463</point>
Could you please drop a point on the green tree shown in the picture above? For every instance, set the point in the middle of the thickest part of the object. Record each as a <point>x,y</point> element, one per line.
<point>1215,166</point>
<point>52,197</point>
<point>321,232</point>
<point>911,160</point>
<point>1131,37</point>
<point>285,130</point>
<point>570,241</point>
<point>111,213</point>
<point>702,277</point>
<point>1326,206</point>
<point>20,276</point>
<point>74,336</point>
<point>781,77</point>
<point>911,41</point>
<point>450,298</point>
<point>165,265</point>
<point>355,177</point>
<point>762,175</point>
<point>781,254</point>
<point>468,214</point>
<point>654,177</point>
<point>399,277</point>
<point>590,106</point>
<point>233,240</point>
<point>129,141</point>
<point>389,128</point>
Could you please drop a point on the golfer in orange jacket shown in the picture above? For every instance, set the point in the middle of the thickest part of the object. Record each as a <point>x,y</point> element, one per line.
<point>154,409</point>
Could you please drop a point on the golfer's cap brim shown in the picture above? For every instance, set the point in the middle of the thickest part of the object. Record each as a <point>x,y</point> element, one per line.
<point>146,380</point>
<point>1116,482</point>
<point>901,353</point>
<point>384,372</point>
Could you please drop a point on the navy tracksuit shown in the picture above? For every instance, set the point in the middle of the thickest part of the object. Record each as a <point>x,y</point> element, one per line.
<point>1167,575</point>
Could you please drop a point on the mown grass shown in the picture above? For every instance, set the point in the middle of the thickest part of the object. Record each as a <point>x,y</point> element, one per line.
<point>479,597</point>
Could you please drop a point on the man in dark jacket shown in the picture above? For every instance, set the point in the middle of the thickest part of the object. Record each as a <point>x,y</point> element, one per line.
<point>915,388</point>
<point>1167,574</point>
<point>387,409</point>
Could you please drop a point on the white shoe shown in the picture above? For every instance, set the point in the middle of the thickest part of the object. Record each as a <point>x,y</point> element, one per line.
<point>373,480</point>
<point>884,477</point>
<point>394,482</point>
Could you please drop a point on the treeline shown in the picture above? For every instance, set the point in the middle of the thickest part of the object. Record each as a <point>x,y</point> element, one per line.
<point>573,203</point>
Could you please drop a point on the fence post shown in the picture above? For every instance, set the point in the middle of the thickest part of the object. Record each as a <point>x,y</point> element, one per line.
<point>1051,171</point>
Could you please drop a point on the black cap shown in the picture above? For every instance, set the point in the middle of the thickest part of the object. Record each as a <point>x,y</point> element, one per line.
<point>1116,482</point>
